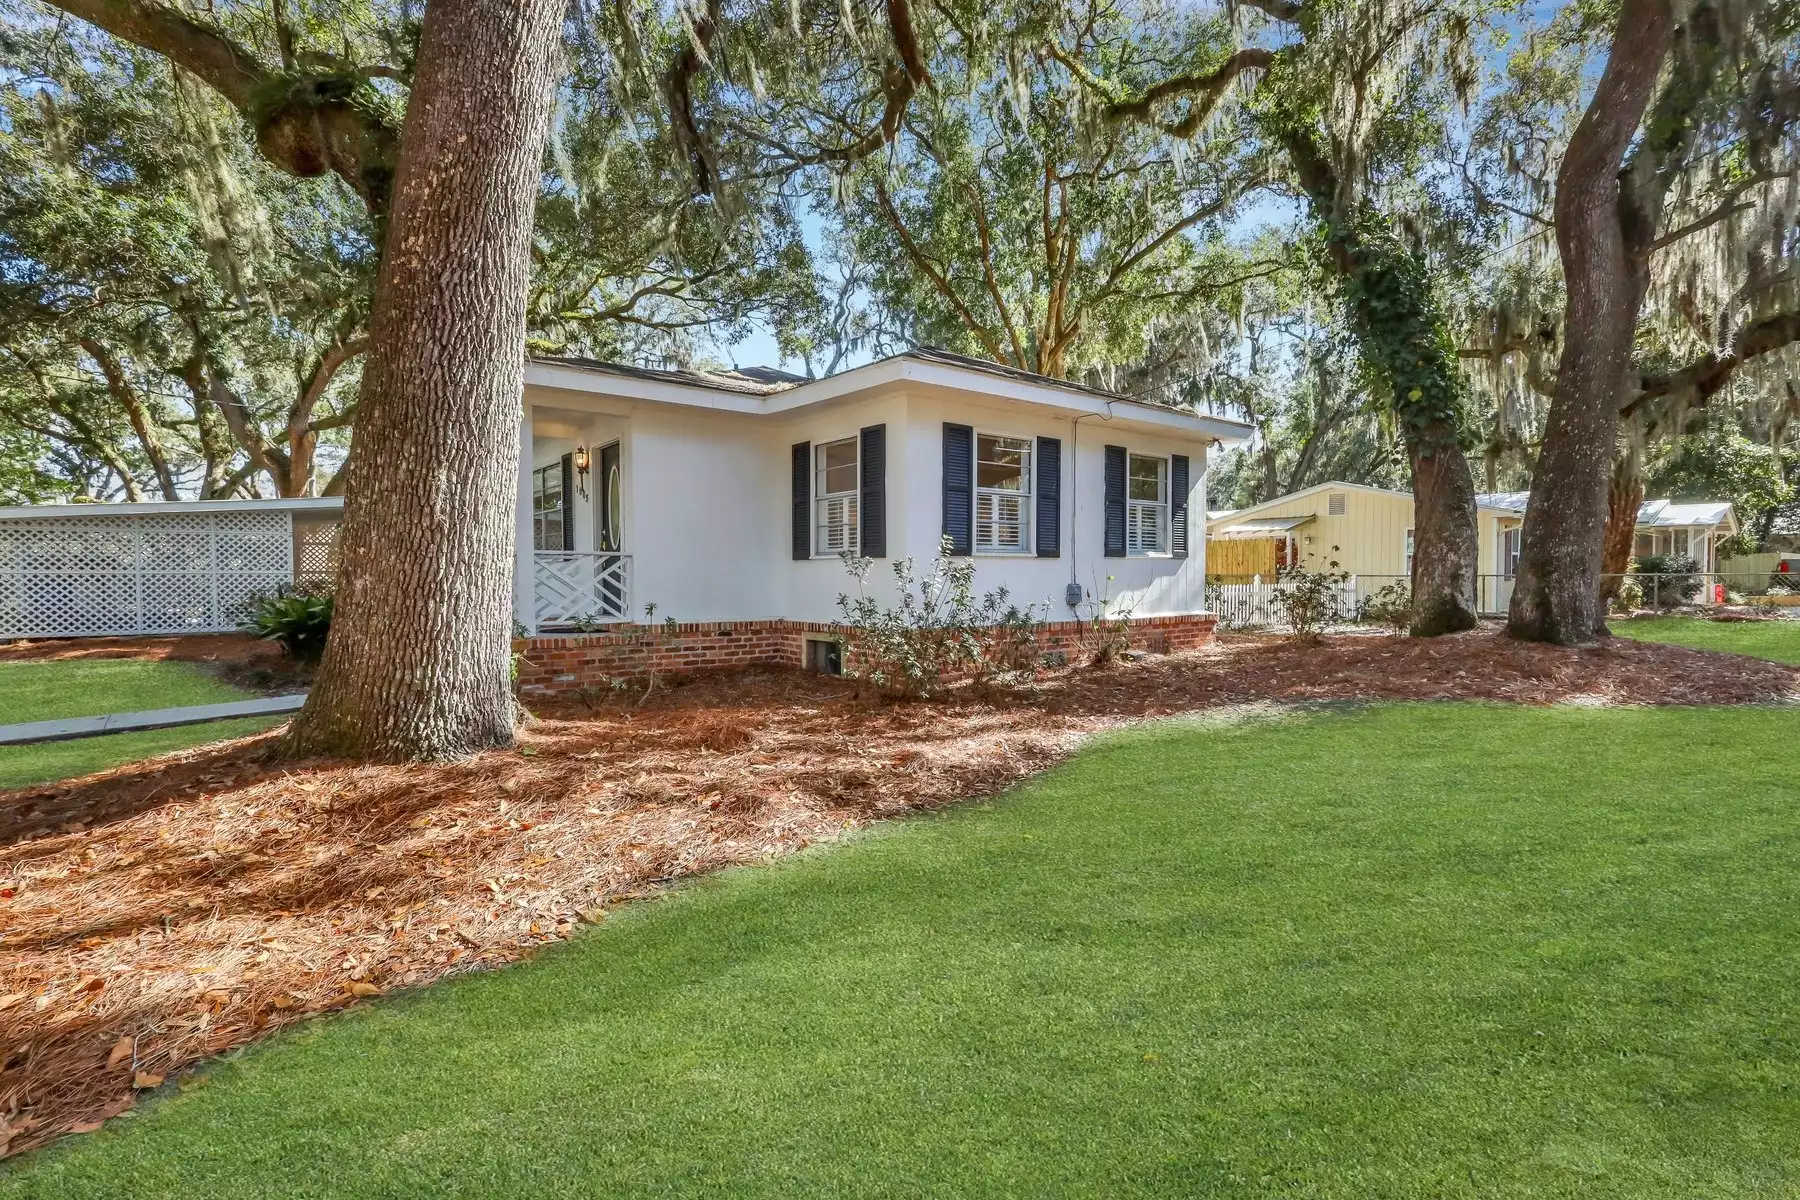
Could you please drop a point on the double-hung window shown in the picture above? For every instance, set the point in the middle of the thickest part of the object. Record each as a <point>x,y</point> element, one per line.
<point>1002,494</point>
<point>1147,505</point>
<point>548,508</point>
<point>835,525</point>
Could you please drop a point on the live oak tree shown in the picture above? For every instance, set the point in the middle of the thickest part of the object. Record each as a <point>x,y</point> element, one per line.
<point>164,280</point>
<point>418,662</point>
<point>1603,233</point>
<point>1351,102</point>
<point>1016,217</point>
<point>1693,221</point>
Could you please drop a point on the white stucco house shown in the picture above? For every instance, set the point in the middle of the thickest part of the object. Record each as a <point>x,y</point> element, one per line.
<point>731,496</point>
<point>724,499</point>
<point>728,498</point>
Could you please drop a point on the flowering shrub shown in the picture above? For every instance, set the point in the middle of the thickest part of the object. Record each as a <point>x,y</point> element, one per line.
<point>937,632</point>
<point>1310,601</point>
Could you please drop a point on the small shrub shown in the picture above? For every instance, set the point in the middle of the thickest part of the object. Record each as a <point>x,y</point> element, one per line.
<point>1105,628</point>
<point>1631,595</point>
<point>1311,602</point>
<point>937,632</point>
<point>296,618</point>
<point>1390,606</point>
<point>1669,580</point>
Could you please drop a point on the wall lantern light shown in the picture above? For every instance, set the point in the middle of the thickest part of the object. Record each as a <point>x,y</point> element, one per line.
<point>582,463</point>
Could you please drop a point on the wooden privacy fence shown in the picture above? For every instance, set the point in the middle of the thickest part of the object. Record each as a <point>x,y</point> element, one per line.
<point>183,567</point>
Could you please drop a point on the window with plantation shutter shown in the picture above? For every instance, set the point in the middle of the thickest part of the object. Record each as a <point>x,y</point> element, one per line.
<point>837,487</point>
<point>1002,494</point>
<point>1147,506</point>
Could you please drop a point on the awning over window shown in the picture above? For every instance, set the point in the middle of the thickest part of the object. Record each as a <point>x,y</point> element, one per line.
<point>1261,527</point>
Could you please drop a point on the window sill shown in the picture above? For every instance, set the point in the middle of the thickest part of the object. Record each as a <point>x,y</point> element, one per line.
<point>1003,554</point>
<point>1152,554</point>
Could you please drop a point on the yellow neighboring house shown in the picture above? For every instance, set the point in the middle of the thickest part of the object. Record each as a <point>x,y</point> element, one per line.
<point>1371,528</point>
<point>1372,532</point>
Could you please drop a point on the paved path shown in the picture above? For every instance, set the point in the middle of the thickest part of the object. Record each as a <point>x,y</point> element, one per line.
<point>156,718</point>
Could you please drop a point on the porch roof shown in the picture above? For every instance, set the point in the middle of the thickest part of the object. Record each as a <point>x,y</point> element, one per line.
<point>1260,527</point>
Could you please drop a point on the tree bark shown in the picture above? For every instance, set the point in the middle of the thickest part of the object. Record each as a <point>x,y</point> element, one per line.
<point>1556,597</point>
<point>1624,496</point>
<point>418,662</point>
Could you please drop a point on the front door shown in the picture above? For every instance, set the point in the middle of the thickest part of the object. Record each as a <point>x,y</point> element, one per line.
<point>612,500</point>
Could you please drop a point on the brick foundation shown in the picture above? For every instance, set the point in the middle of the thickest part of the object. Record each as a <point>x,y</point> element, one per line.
<point>568,662</point>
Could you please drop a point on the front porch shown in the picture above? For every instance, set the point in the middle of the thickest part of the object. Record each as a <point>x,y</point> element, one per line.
<point>573,572</point>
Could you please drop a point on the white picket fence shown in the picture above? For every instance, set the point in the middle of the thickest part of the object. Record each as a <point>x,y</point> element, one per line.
<point>1241,605</point>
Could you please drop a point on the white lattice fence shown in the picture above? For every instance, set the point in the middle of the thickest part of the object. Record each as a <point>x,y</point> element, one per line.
<point>315,550</point>
<point>79,576</point>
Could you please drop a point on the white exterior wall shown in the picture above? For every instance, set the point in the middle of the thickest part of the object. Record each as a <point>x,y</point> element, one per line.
<point>1149,587</point>
<point>708,505</point>
<point>809,589</point>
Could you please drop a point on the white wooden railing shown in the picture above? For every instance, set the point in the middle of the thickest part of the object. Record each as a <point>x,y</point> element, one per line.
<point>581,587</point>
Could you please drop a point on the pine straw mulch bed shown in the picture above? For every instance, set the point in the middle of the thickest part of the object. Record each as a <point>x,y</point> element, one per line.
<point>161,913</point>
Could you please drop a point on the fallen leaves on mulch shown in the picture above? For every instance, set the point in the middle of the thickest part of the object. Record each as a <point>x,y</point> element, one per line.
<point>159,914</point>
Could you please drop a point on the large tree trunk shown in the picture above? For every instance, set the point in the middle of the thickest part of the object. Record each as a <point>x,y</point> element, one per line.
<point>1557,594</point>
<point>417,665</point>
<point>1402,332</point>
<point>1624,496</point>
<point>1445,545</point>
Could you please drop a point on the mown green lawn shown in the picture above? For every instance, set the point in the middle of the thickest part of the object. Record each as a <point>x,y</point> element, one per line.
<point>44,691</point>
<point>1778,640</point>
<point>1400,951</point>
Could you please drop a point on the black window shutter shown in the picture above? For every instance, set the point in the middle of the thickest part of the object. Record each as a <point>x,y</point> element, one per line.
<point>959,487</point>
<point>1115,502</point>
<point>568,501</point>
<point>1178,505</point>
<point>802,499</point>
<point>1049,497</point>
<point>874,491</point>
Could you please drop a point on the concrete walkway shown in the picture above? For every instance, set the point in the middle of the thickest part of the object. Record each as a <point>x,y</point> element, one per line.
<point>156,718</point>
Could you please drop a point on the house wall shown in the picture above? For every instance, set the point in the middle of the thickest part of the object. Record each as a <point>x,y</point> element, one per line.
<point>708,508</point>
<point>1149,587</point>
<point>1370,536</point>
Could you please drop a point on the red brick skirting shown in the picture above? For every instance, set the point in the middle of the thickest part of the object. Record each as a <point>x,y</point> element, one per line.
<point>569,662</point>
